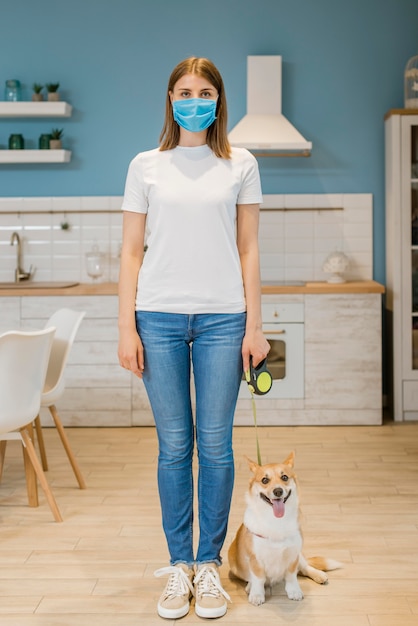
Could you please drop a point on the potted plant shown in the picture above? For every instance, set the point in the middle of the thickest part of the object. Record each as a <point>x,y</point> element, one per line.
<point>55,141</point>
<point>52,89</point>
<point>37,95</point>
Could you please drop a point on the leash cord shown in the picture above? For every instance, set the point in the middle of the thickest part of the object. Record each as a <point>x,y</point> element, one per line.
<point>250,387</point>
<point>255,428</point>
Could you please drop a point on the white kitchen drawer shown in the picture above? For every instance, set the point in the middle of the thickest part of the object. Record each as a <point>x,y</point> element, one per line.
<point>410,395</point>
<point>274,313</point>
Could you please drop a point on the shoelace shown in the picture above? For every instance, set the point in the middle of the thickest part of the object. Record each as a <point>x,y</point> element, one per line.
<point>178,584</point>
<point>208,583</point>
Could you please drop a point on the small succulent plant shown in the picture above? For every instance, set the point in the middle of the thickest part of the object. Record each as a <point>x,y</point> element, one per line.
<point>57,133</point>
<point>37,88</point>
<point>52,87</point>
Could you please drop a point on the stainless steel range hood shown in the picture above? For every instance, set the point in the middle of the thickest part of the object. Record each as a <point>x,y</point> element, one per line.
<point>264,130</point>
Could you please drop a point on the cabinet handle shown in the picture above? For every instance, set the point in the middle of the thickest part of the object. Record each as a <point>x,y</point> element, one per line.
<point>274,332</point>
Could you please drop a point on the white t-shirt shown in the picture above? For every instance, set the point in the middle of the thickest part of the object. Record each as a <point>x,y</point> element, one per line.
<point>192,263</point>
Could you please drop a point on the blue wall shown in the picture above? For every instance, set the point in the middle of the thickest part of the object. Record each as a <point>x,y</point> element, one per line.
<point>343,69</point>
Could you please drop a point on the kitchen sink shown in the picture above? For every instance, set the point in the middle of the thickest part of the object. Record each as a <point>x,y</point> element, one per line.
<point>29,284</point>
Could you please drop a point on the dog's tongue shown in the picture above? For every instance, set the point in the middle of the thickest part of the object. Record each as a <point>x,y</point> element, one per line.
<point>278,508</point>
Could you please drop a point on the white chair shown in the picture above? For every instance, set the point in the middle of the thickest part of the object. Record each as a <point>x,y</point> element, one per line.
<point>66,323</point>
<point>24,358</point>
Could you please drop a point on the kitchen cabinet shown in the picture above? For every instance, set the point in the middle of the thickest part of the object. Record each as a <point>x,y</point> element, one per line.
<point>98,391</point>
<point>341,370</point>
<point>401,174</point>
<point>35,110</point>
<point>342,366</point>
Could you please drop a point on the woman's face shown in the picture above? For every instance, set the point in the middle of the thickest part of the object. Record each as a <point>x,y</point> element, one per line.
<point>193,86</point>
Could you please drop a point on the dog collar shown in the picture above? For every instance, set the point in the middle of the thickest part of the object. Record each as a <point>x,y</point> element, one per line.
<point>255,534</point>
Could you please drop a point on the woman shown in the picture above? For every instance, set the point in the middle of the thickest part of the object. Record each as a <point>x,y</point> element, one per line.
<point>192,302</point>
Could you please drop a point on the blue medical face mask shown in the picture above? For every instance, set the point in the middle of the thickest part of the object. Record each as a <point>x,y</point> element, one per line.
<point>194,114</point>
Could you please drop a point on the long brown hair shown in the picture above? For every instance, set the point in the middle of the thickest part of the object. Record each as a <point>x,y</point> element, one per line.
<point>217,138</point>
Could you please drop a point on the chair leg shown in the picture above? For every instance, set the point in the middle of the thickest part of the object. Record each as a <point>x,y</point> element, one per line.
<point>30,473</point>
<point>27,441</point>
<point>2,455</point>
<point>41,443</point>
<point>67,447</point>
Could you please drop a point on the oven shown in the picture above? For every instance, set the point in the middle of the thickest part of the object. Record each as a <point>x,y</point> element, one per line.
<point>283,327</point>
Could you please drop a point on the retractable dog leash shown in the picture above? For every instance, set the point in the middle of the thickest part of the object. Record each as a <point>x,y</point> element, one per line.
<point>259,378</point>
<point>259,381</point>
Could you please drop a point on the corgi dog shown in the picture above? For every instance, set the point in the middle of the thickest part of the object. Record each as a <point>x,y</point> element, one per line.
<point>268,545</point>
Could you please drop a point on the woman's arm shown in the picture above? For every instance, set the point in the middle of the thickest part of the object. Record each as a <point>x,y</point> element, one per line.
<point>130,351</point>
<point>254,343</point>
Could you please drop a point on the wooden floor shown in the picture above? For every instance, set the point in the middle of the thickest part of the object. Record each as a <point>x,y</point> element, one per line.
<point>360,504</point>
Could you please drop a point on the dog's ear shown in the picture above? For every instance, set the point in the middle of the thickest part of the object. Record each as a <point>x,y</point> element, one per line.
<point>252,465</point>
<point>290,461</point>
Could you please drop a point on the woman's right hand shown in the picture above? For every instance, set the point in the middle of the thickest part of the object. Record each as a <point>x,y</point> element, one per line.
<point>131,352</point>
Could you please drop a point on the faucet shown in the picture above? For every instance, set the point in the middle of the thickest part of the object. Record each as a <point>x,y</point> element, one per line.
<point>20,273</point>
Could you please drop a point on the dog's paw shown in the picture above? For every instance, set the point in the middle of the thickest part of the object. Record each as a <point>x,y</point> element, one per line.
<point>256,599</point>
<point>294,592</point>
<point>321,578</point>
<point>256,594</point>
<point>317,575</point>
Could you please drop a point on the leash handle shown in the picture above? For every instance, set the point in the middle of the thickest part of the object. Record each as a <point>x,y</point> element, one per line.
<point>258,378</point>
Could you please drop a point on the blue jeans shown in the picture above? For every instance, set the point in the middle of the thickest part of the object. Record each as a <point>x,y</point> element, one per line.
<point>210,344</point>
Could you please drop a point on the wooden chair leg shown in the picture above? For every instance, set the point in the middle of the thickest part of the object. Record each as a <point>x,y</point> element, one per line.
<point>41,443</point>
<point>40,474</point>
<point>67,447</point>
<point>2,455</point>
<point>30,473</point>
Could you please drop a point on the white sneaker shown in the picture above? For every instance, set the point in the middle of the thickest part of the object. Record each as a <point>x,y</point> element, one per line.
<point>210,596</point>
<point>174,602</point>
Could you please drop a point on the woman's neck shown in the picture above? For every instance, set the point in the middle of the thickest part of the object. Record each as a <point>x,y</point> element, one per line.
<point>192,140</point>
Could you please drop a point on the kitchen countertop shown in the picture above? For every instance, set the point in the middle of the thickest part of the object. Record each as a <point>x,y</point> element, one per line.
<point>267,288</point>
<point>312,287</point>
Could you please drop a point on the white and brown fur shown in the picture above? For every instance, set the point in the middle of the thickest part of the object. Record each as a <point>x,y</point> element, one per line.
<point>268,545</point>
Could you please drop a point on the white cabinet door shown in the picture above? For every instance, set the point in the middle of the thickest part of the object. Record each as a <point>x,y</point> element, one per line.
<point>401,143</point>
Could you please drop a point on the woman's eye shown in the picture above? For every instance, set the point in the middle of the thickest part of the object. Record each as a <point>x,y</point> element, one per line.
<point>265,480</point>
<point>285,478</point>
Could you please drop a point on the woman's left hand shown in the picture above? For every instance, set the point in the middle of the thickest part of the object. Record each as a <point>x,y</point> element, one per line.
<point>256,345</point>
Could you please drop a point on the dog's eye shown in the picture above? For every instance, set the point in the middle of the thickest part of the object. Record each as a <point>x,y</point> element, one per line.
<point>285,478</point>
<point>265,480</point>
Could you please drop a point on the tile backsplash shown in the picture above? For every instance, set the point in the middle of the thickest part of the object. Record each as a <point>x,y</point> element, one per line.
<point>297,232</point>
<point>56,234</point>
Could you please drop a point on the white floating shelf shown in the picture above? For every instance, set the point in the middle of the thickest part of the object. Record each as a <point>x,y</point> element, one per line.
<point>35,156</point>
<point>35,109</point>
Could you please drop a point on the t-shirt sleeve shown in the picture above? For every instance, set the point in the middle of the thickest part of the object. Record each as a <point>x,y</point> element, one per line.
<point>250,192</point>
<point>135,198</point>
